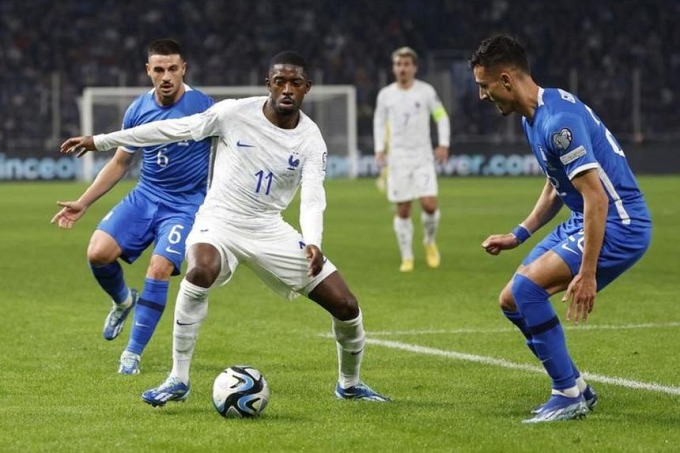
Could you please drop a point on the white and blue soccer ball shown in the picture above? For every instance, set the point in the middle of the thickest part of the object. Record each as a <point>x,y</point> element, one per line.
<point>240,391</point>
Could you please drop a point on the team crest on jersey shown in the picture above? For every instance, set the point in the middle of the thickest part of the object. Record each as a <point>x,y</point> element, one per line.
<point>562,139</point>
<point>293,163</point>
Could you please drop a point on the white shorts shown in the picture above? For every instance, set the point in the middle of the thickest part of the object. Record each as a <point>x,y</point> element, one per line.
<point>410,182</point>
<point>275,254</point>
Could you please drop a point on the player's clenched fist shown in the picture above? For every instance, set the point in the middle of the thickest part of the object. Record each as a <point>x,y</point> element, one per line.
<point>497,242</point>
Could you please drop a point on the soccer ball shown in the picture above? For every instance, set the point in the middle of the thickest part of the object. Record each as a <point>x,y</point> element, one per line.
<point>240,391</point>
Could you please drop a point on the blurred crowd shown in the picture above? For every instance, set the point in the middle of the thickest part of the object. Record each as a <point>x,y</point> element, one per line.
<point>620,56</point>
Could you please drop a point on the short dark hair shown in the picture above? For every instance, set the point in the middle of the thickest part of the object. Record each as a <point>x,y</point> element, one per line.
<point>288,57</point>
<point>500,49</point>
<point>165,46</point>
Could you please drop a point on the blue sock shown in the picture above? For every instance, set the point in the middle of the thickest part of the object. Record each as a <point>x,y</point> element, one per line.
<point>546,331</point>
<point>516,318</point>
<point>148,312</point>
<point>110,278</point>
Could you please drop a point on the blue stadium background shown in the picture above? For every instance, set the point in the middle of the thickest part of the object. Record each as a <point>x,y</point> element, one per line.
<point>622,57</point>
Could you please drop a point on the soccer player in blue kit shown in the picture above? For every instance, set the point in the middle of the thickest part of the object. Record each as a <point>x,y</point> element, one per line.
<point>608,231</point>
<point>159,210</point>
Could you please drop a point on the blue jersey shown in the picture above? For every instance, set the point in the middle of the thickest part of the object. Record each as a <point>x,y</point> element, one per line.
<point>568,138</point>
<point>176,172</point>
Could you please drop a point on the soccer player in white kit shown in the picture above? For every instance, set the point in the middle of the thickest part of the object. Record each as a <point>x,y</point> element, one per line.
<point>266,148</point>
<point>402,123</point>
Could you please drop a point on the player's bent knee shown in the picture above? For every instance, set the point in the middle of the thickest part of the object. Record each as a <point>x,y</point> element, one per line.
<point>102,249</point>
<point>506,300</point>
<point>336,300</point>
<point>160,272</point>
<point>404,210</point>
<point>429,205</point>
<point>203,265</point>
<point>334,296</point>
<point>101,255</point>
<point>203,276</point>
<point>526,292</point>
<point>347,308</point>
<point>160,268</point>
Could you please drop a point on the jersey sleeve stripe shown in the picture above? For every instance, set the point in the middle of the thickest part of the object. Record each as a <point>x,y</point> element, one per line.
<point>581,169</point>
<point>611,190</point>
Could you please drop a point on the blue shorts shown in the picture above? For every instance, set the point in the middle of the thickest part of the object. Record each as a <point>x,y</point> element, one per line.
<point>137,221</point>
<point>622,247</point>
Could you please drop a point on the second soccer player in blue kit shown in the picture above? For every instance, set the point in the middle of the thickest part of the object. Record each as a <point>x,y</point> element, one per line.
<point>159,210</point>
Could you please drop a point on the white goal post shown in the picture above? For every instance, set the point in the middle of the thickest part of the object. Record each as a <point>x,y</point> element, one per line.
<point>332,107</point>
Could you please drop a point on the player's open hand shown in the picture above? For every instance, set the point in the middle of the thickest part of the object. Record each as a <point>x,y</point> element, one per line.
<point>70,213</point>
<point>580,295</point>
<point>497,242</point>
<point>315,258</point>
<point>79,145</point>
<point>380,160</point>
<point>441,154</point>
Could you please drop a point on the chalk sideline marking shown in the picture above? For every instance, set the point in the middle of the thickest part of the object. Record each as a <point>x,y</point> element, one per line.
<point>667,325</point>
<point>628,383</point>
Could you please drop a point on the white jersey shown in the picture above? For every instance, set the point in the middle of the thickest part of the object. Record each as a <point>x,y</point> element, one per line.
<point>258,166</point>
<point>406,113</point>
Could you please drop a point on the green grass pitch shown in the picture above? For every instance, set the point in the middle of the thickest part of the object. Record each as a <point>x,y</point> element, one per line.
<point>460,376</point>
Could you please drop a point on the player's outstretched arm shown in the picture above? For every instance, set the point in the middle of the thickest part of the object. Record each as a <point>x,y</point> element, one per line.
<point>108,177</point>
<point>79,145</point>
<point>546,208</point>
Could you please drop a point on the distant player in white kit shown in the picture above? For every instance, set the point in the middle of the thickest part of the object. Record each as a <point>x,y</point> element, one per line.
<point>402,123</point>
<point>267,148</point>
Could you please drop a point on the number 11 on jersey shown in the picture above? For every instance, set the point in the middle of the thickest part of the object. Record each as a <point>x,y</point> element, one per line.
<point>266,178</point>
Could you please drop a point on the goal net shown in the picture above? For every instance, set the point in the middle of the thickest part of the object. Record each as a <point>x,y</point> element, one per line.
<point>332,107</point>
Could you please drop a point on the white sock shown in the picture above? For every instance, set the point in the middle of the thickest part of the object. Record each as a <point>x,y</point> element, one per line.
<point>581,384</point>
<point>403,228</point>
<point>350,341</point>
<point>571,392</point>
<point>430,225</point>
<point>191,309</point>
